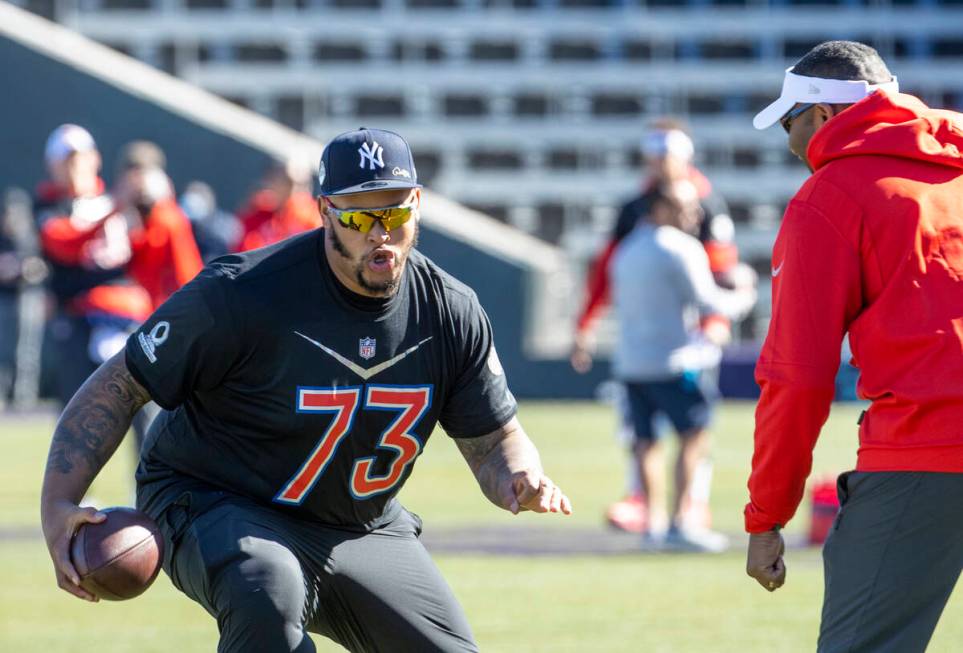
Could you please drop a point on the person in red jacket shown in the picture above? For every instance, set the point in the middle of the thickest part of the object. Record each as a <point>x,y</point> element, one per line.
<point>164,254</point>
<point>282,208</point>
<point>85,241</point>
<point>871,245</point>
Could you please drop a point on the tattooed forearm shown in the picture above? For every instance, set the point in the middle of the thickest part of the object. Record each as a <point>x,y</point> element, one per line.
<point>475,450</point>
<point>80,438</point>
<point>93,424</point>
<point>487,468</point>
<point>495,457</point>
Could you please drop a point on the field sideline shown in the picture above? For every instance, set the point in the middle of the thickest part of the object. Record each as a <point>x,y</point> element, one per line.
<point>627,602</point>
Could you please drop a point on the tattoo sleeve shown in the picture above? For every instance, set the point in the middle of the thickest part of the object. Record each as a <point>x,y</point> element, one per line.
<point>90,429</point>
<point>494,458</point>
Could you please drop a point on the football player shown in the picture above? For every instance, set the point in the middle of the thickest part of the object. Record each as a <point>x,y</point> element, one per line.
<point>301,383</point>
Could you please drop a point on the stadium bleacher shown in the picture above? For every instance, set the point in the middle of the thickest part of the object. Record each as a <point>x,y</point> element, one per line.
<point>531,110</point>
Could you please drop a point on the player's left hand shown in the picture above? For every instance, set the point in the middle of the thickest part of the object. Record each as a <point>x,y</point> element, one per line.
<point>765,562</point>
<point>534,491</point>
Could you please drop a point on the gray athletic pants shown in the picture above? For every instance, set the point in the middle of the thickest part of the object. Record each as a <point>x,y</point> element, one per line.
<point>891,560</point>
<point>268,577</point>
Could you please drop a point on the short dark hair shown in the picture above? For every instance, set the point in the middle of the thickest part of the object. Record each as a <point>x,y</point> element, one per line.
<point>662,193</point>
<point>140,155</point>
<point>657,193</point>
<point>848,60</point>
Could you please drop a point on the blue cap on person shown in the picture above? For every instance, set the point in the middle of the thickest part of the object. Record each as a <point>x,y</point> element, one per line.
<point>366,160</point>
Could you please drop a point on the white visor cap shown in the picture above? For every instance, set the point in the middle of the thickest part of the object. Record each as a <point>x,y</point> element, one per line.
<point>65,140</point>
<point>815,90</point>
<point>673,142</point>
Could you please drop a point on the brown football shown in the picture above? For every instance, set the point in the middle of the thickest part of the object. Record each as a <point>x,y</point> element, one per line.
<point>118,558</point>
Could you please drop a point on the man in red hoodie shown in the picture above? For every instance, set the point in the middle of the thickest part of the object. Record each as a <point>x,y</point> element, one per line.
<point>883,212</point>
<point>164,254</point>
<point>282,208</point>
<point>85,241</point>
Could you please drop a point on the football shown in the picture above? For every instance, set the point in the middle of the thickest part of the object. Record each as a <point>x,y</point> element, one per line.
<point>120,557</point>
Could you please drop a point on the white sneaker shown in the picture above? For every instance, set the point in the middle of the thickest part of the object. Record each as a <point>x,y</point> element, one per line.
<point>694,540</point>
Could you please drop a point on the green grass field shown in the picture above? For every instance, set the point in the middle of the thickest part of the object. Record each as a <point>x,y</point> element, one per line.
<point>652,603</point>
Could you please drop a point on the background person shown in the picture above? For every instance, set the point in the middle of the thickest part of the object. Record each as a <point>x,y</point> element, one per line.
<point>86,243</point>
<point>216,231</point>
<point>23,302</point>
<point>661,283</point>
<point>667,154</point>
<point>11,280</point>
<point>281,208</point>
<point>164,254</point>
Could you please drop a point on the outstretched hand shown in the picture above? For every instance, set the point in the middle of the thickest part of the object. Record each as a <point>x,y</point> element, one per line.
<point>765,559</point>
<point>509,472</point>
<point>532,490</point>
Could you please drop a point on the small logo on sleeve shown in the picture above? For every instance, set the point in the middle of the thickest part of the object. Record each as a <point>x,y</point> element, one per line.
<point>151,341</point>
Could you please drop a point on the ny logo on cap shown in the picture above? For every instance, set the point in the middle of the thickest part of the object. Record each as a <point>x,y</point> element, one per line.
<point>373,154</point>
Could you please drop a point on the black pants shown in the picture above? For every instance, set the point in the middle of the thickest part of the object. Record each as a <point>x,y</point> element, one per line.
<point>891,561</point>
<point>268,577</point>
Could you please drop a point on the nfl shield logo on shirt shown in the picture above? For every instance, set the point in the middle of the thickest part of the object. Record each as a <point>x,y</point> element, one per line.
<point>366,348</point>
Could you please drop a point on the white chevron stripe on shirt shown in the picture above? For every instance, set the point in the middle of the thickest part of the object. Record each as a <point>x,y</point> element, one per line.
<point>357,369</point>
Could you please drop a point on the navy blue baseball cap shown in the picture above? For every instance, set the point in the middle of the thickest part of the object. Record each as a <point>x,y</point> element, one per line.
<point>366,160</point>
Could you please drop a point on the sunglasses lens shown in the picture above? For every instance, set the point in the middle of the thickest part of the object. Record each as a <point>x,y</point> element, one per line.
<point>362,220</point>
<point>356,220</point>
<point>394,218</point>
<point>788,119</point>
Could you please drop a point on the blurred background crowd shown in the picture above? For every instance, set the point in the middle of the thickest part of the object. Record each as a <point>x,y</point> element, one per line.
<point>545,130</point>
<point>83,264</point>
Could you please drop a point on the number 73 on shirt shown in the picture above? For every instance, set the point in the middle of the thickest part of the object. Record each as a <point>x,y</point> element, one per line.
<point>410,402</point>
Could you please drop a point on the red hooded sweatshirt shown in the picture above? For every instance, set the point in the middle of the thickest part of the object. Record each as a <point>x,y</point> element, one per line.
<point>164,253</point>
<point>872,245</point>
<point>269,220</point>
<point>81,285</point>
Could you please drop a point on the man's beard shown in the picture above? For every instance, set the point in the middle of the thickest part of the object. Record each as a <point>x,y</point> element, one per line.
<point>383,288</point>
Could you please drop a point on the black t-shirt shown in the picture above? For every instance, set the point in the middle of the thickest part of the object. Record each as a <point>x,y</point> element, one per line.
<point>281,389</point>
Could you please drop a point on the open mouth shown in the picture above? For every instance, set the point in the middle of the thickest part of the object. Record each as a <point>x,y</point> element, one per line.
<point>381,260</point>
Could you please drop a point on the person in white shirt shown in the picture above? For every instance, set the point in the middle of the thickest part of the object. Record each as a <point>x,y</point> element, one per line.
<point>661,284</point>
